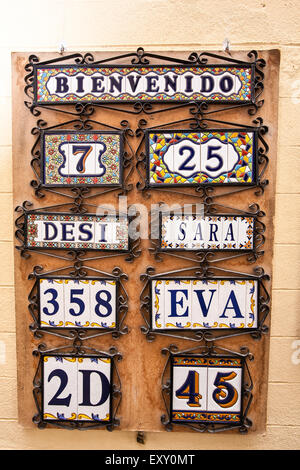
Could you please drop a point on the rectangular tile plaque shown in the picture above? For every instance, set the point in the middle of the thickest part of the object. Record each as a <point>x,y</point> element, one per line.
<point>156,83</point>
<point>206,389</point>
<point>76,232</point>
<point>193,304</point>
<point>65,302</point>
<point>194,232</point>
<point>89,158</point>
<point>217,156</point>
<point>76,388</point>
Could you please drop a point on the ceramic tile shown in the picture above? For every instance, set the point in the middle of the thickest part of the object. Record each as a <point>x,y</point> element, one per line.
<point>94,389</point>
<point>246,225</point>
<point>85,158</point>
<point>81,158</point>
<point>221,157</point>
<point>214,160</point>
<point>178,311</point>
<point>51,307</point>
<point>207,84</point>
<point>77,303</point>
<point>205,302</point>
<point>224,389</point>
<point>206,389</point>
<point>60,375</point>
<point>84,231</point>
<point>135,84</point>
<point>116,84</point>
<point>154,83</point>
<point>55,87</point>
<point>189,387</point>
<point>242,170</point>
<point>226,84</point>
<point>173,231</point>
<point>199,233</point>
<point>158,304</point>
<point>104,230</point>
<point>230,236</point>
<point>215,232</point>
<point>103,312</point>
<point>170,83</point>
<point>232,304</point>
<point>252,303</point>
<point>187,157</point>
<point>189,82</point>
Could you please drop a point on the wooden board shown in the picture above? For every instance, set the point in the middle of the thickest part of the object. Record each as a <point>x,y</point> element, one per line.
<point>142,363</point>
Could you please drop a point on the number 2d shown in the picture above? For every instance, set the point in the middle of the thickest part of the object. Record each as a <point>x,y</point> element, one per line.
<point>59,400</point>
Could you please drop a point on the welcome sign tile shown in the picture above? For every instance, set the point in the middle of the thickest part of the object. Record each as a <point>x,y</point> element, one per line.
<point>73,83</point>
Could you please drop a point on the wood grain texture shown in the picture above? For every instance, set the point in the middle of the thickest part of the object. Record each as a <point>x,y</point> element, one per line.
<point>142,363</point>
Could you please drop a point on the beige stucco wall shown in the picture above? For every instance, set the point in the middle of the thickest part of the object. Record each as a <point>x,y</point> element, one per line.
<point>198,25</point>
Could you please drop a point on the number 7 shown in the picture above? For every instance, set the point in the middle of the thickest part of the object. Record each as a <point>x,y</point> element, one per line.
<point>85,150</point>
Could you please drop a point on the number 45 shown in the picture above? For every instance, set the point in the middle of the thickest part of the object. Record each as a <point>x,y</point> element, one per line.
<point>225,395</point>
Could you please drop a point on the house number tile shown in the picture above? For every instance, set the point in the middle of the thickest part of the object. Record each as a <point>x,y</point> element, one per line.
<point>77,303</point>
<point>193,158</point>
<point>76,388</point>
<point>71,158</point>
<point>206,389</point>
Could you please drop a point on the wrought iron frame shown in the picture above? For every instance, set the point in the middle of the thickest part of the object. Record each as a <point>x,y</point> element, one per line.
<point>140,58</point>
<point>85,191</point>
<point>204,272</point>
<point>74,253</point>
<point>200,124</point>
<point>207,351</point>
<point>203,255</point>
<point>78,271</point>
<point>77,350</point>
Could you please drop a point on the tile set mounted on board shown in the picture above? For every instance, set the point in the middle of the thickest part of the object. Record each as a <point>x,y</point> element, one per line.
<point>81,160</point>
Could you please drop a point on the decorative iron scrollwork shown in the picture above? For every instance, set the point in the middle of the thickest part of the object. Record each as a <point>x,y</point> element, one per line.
<point>211,209</point>
<point>79,353</point>
<point>80,192</point>
<point>211,331</point>
<point>80,273</point>
<point>130,249</point>
<point>200,124</point>
<point>140,59</point>
<point>212,422</point>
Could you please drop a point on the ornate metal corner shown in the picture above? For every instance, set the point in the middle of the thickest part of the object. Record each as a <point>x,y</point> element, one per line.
<point>77,352</point>
<point>212,420</point>
<point>81,274</point>
<point>153,326</point>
